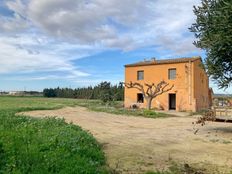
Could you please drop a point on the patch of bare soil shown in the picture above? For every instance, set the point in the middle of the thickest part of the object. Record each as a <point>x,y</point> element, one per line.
<point>137,144</point>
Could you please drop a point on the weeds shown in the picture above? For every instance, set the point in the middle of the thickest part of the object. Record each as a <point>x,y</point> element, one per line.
<point>29,145</point>
<point>118,109</point>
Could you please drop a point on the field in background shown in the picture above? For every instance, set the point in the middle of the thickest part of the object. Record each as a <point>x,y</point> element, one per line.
<point>117,108</point>
<point>34,103</point>
<point>40,103</point>
<point>29,145</point>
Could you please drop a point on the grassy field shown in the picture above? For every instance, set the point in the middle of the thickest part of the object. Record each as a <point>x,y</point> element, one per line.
<point>117,108</point>
<point>29,145</point>
<point>34,103</point>
<point>40,103</point>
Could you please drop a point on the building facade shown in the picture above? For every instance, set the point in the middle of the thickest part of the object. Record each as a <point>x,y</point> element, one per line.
<point>191,84</point>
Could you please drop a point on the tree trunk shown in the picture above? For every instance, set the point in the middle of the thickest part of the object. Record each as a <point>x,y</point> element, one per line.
<point>149,100</point>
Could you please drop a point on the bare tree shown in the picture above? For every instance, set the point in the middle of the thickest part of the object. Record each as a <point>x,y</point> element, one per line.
<point>151,91</point>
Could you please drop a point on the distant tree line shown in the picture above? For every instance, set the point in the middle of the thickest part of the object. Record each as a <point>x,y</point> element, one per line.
<point>34,93</point>
<point>104,91</point>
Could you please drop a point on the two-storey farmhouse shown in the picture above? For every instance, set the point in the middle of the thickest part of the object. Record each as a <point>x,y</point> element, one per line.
<point>191,85</point>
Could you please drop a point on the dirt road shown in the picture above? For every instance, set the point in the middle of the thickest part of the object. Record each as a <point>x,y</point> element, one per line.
<point>136,144</point>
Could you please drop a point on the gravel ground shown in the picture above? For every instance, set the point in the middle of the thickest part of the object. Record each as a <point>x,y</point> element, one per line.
<point>137,144</point>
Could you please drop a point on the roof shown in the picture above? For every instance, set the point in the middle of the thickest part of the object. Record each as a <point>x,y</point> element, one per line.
<point>163,61</point>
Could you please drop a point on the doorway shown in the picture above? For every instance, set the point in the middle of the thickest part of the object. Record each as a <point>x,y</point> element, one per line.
<point>172,101</point>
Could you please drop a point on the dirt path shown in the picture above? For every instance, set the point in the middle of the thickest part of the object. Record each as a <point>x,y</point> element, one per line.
<point>136,144</point>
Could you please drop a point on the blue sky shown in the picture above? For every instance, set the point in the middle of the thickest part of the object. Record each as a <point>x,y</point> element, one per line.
<point>69,43</point>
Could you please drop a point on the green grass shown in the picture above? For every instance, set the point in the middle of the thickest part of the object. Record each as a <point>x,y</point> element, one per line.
<point>32,103</point>
<point>118,109</point>
<point>29,145</point>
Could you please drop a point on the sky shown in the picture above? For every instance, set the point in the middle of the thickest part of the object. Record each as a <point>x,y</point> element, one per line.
<point>76,43</point>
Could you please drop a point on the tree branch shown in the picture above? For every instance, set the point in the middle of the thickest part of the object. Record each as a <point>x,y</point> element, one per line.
<point>152,90</point>
<point>136,86</point>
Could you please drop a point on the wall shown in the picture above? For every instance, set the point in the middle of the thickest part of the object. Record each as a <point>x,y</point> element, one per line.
<point>156,73</point>
<point>201,87</point>
<point>191,85</point>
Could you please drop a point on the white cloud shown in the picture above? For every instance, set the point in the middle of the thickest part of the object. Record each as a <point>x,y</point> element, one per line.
<point>15,24</point>
<point>17,6</point>
<point>18,56</point>
<point>48,35</point>
<point>126,24</point>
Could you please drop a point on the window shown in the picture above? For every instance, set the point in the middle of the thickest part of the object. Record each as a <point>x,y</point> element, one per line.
<point>140,75</point>
<point>140,98</point>
<point>172,73</point>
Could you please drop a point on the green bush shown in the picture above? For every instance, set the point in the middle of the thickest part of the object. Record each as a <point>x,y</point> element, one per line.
<point>106,97</point>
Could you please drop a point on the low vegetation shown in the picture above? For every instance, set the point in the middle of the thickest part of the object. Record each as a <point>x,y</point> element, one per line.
<point>118,109</point>
<point>29,145</point>
<point>114,107</point>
